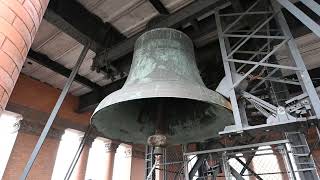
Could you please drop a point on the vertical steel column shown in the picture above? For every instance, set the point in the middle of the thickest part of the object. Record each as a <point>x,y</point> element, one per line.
<point>164,171</point>
<point>314,6</point>
<point>306,20</point>
<point>149,163</point>
<point>226,167</point>
<point>287,160</point>
<point>241,103</point>
<point>54,113</point>
<point>228,74</point>
<point>185,162</point>
<point>303,74</point>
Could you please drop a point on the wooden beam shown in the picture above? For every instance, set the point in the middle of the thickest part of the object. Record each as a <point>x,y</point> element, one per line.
<point>157,4</point>
<point>89,101</point>
<point>82,25</point>
<point>174,20</point>
<point>60,69</point>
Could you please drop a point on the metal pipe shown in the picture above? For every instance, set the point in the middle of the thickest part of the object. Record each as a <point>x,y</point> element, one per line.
<point>54,113</point>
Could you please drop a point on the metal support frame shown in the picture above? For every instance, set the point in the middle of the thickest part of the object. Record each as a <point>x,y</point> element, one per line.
<point>314,6</point>
<point>185,162</point>
<point>300,153</point>
<point>253,61</point>
<point>303,74</point>
<point>288,162</point>
<point>226,167</point>
<point>233,97</point>
<point>305,19</point>
<point>249,160</point>
<point>224,154</point>
<point>249,169</point>
<point>149,163</point>
<point>236,147</point>
<point>164,164</point>
<point>235,173</point>
<point>54,113</point>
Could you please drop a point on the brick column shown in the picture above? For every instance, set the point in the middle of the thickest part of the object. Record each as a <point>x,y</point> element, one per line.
<point>27,137</point>
<point>20,20</point>
<point>111,149</point>
<point>79,172</point>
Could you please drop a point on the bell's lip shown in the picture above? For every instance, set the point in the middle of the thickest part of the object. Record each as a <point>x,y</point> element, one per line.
<point>163,89</point>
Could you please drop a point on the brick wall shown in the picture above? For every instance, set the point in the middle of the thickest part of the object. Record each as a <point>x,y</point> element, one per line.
<point>19,21</point>
<point>43,166</point>
<point>27,92</point>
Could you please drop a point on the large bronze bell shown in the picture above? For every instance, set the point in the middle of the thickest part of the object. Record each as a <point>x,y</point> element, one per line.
<point>164,94</point>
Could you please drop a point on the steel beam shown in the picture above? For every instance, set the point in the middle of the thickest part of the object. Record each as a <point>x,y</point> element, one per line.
<point>237,147</point>
<point>236,174</point>
<point>157,4</point>
<point>314,6</point>
<point>53,114</point>
<point>249,169</point>
<point>79,23</point>
<point>303,75</point>
<point>250,35</point>
<point>207,29</point>
<point>249,160</point>
<point>228,74</point>
<point>305,19</point>
<point>261,61</point>
<point>255,54</point>
<point>60,69</point>
<point>278,80</point>
<point>174,20</point>
<point>226,166</point>
<point>264,64</point>
<point>240,17</point>
<point>185,162</point>
<point>254,36</point>
<point>287,160</point>
<point>263,80</point>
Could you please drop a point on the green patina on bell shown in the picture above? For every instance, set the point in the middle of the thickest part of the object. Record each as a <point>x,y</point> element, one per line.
<point>164,94</point>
